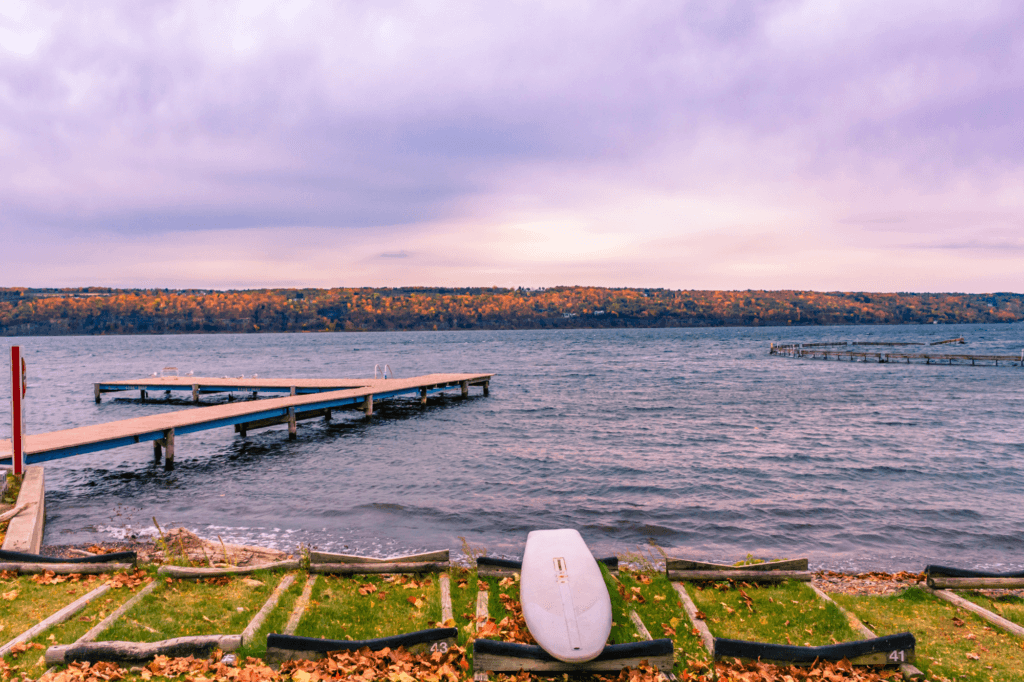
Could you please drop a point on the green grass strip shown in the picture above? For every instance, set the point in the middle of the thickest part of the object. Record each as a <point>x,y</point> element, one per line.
<point>183,608</point>
<point>952,644</point>
<point>387,605</point>
<point>788,613</point>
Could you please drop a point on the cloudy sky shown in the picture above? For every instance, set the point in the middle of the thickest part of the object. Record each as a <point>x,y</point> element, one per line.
<point>819,144</point>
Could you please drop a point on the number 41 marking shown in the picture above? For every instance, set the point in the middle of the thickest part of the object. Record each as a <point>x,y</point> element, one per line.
<point>898,656</point>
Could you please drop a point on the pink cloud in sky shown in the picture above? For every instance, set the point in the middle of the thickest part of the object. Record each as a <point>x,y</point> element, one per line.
<point>828,145</point>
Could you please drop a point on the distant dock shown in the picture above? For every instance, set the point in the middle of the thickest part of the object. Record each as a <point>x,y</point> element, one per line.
<point>304,399</point>
<point>851,351</point>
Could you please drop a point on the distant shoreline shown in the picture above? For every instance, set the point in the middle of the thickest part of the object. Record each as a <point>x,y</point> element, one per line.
<point>101,311</point>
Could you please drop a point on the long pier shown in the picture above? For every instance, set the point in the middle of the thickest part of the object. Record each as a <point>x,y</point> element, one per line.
<point>198,386</point>
<point>306,399</point>
<point>839,351</point>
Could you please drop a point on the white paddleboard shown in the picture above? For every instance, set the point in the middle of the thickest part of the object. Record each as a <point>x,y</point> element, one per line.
<point>565,601</point>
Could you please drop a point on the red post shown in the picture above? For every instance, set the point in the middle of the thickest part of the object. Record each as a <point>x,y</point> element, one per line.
<point>17,396</point>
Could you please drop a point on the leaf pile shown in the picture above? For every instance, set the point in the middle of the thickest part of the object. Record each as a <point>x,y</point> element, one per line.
<point>871,583</point>
<point>129,580</point>
<point>393,665</point>
<point>51,578</point>
<point>843,671</point>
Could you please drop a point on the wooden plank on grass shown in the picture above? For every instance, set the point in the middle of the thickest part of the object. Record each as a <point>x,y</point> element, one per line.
<point>254,625</point>
<point>691,611</point>
<point>55,654</point>
<point>995,619</point>
<point>482,598</point>
<point>57,618</point>
<point>782,565</point>
<point>301,605</point>
<point>447,616</point>
<point>137,652</point>
<point>940,582</point>
<point>328,558</point>
<point>26,568</point>
<point>362,569</point>
<point>195,573</point>
<point>743,575</point>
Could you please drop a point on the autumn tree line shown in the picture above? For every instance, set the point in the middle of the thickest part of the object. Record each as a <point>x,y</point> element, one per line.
<point>95,310</point>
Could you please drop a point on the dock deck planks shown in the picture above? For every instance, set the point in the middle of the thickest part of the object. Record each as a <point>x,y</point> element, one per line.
<point>87,439</point>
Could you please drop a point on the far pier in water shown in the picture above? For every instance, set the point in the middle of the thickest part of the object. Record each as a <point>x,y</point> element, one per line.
<point>301,399</point>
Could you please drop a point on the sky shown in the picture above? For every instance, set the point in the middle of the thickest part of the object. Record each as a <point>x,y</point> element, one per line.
<point>858,145</point>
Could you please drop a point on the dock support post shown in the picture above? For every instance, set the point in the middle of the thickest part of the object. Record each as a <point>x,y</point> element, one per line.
<point>465,388</point>
<point>169,449</point>
<point>423,395</point>
<point>368,405</point>
<point>487,388</point>
<point>327,415</point>
<point>292,426</point>
<point>241,429</point>
<point>142,394</point>
<point>157,451</point>
<point>195,393</point>
<point>96,392</point>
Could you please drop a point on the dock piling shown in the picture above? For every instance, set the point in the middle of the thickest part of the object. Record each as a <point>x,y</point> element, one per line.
<point>368,405</point>
<point>195,393</point>
<point>293,429</point>
<point>487,388</point>
<point>465,388</point>
<point>169,449</point>
<point>96,392</point>
<point>423,395</point>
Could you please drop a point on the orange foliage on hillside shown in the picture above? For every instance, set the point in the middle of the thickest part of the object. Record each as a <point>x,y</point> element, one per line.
<point>113,311</point>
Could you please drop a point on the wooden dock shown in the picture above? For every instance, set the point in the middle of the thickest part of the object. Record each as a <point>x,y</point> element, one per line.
<point>200,385</point>
<point>306,399</point>
<point>843,350</point>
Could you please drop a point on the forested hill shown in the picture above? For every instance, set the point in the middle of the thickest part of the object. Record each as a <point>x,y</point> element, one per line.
<point>156,311</point>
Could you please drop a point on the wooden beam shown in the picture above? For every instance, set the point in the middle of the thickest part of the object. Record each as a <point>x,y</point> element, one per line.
<point>169,449</point>
<point>138,652</point>
<point>482,597</point>
<point>26,568</point>
<point>942,582</point>
<point>746,576</point>
<point>984,613</point>
<point>195,573</point>
<point>301,604</point>
<point>330,558</point>
<point>361,569</point>
<point>257,621</point>
<point>447,616</point>
<point>689,565</point>
<point>691,611</point>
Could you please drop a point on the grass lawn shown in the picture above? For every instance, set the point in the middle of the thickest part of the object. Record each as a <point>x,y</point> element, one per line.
<point>789,613</point>
<point>180,608</point>
<point>952,644</point>
<point>368,607</point>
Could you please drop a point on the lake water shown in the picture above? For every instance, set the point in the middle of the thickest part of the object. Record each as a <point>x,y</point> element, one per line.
<point>693,439</point>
